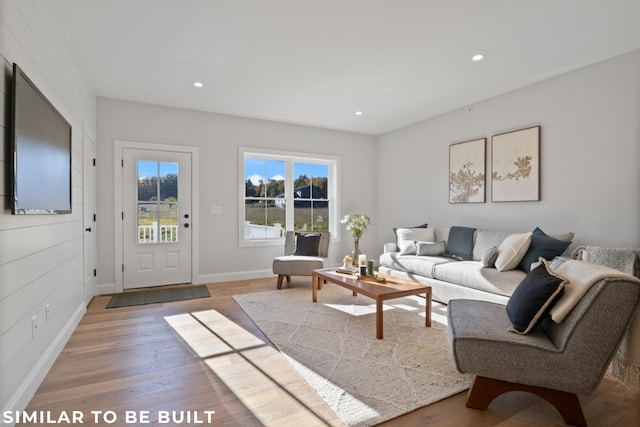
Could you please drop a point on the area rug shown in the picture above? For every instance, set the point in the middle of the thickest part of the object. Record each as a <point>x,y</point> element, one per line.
<point>153,296</point>
<point>332,344</point>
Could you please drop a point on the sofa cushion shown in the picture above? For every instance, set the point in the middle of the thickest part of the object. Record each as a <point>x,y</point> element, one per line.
<point>407,238</point>
<point>542,246</point>
<point>430,248</point>
<point>421,265</point>
<point>533,298</point>
<point>471,274</point>
<point>511,251</point>
<point>486,239</point>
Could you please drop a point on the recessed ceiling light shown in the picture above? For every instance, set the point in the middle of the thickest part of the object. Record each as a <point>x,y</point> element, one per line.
<point>198,84</point>
<point>478,57</point>
<point>358,113</point>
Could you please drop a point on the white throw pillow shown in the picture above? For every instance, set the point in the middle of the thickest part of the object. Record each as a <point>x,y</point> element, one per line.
<point>407,238</point>
<point>512,250</point>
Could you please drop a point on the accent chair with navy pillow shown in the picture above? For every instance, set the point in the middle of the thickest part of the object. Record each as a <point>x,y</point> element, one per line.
<point>303,253</point>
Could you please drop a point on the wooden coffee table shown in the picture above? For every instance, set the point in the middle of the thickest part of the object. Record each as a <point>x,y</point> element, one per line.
<point>368,286</point>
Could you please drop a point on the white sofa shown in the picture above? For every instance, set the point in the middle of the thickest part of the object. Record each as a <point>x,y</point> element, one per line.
<point>453,279</point>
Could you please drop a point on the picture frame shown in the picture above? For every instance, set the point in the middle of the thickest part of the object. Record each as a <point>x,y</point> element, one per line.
<point>515,166</point>
<point>467,171</point>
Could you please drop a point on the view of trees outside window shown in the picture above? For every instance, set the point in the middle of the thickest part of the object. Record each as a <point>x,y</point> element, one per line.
<point>311,202</point>
<point>264,182</point>
<point>267,204</point>
<point>157,202</point>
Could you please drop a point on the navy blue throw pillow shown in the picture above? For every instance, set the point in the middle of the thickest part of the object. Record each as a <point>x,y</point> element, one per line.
<point>307,244</point>
<point>533,298</point>
<point>542,246</point>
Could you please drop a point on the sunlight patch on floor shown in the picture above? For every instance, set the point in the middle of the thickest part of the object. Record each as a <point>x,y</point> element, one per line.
<point>199,338</point>
<point>359,410</point>
<point>257,373</point>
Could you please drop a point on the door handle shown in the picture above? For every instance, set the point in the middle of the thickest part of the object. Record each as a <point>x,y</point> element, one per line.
<point>88,229</point>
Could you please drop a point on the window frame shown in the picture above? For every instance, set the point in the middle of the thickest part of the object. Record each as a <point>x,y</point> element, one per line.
<point>289,157</point>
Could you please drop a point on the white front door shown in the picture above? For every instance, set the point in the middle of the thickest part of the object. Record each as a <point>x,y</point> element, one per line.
<point>156,217</point>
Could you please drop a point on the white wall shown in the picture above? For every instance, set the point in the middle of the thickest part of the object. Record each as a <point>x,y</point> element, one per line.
<point>218,138</point>
<point>590,149</point>
<point>40,256</point>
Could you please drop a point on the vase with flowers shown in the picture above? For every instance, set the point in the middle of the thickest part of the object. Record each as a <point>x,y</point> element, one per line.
<point>356,224</point>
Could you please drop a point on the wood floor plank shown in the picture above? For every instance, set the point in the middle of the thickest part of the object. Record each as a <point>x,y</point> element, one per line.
<point>207,354</point>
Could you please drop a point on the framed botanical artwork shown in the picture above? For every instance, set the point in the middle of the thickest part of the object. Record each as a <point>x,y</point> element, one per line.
<point>467,165</point>
<point>515,166</point>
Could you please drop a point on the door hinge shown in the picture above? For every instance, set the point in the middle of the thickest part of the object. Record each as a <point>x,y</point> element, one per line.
<point>94,217</point>
<point>121,163</point>
<point>95,273</point>
<point>122,215</point>
<point>123,268</point>
<point>94,161</point>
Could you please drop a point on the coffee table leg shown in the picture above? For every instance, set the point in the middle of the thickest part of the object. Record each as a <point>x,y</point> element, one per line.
<point>314,286</point>
<point>427,320</point>
<point>379,320</point>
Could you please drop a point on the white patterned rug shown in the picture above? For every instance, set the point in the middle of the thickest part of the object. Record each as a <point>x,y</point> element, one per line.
<point>332,344</point>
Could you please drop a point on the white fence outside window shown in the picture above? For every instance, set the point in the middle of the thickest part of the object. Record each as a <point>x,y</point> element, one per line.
<point>254,231</point>
<point>157,234</point>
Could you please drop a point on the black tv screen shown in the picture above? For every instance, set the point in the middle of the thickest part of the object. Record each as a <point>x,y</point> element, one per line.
<point>41,178</point>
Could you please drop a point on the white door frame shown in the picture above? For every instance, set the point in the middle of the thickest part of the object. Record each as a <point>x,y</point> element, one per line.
<point>119,145</point>
<point>89,241</point>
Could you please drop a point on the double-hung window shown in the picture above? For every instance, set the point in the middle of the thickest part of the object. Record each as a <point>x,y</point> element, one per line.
<point>283,191</point>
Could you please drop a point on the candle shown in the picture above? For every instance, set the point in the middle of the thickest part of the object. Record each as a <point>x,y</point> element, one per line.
<point>370,267</point>
<point>362,260</point>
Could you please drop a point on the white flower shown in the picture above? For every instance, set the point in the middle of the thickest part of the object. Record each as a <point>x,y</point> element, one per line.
<point>356,224</point>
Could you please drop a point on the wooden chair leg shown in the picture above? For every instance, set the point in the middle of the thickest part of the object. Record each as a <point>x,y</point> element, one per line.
<point>280,277</point>
<point>484,390</point>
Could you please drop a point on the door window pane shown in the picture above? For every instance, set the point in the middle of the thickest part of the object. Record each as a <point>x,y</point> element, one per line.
<point>158,204</point>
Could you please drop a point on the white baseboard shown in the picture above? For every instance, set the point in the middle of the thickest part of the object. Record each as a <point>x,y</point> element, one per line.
<point>228,277</point>
<point>110,288</point>
<point>106,289</point>
<point>30,385</point>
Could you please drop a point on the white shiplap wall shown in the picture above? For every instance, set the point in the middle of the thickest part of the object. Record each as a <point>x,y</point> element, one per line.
<point>41,257</point>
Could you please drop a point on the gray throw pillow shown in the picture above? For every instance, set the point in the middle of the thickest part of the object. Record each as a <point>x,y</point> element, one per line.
<point>489,257</point>
<point>430,248</point>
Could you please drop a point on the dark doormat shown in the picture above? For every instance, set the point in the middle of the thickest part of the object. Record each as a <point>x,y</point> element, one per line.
<point>154,296</point>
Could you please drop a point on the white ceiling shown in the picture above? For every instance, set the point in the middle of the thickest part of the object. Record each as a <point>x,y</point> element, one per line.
<point>316,62</point>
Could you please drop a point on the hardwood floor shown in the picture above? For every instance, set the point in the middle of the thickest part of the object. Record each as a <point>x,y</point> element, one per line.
<point>207,355</point>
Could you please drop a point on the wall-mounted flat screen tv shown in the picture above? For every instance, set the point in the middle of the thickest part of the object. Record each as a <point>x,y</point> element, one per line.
<point>41,137</point>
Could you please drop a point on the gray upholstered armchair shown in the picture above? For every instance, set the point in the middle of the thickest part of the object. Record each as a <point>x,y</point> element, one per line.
<point>556,361</point>
<point>298,260</point>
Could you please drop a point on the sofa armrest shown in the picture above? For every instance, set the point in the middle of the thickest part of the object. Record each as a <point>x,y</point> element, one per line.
<point>390,247</point>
